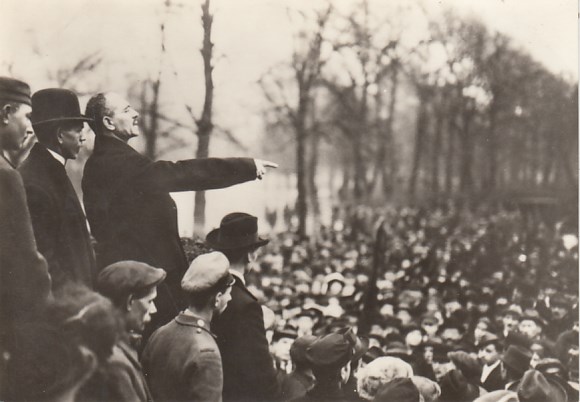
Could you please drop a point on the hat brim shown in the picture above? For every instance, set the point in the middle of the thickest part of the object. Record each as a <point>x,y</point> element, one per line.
<point>80,118</point>
<point>212,240</point>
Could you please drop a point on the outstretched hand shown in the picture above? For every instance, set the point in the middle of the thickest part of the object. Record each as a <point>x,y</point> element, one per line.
<point>262,167</point>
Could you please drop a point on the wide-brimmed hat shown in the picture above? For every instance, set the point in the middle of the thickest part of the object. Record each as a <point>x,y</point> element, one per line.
<point>54,105</point>
<point>517,358</point>
<point>534,386</point>
<point>237,230</point>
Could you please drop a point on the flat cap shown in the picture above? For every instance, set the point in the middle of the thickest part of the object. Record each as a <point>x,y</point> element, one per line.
<point>333,350</point>
<point>205,271</point>
<point>299,348</point>
<point>127,277</point>
<point>13,90</point>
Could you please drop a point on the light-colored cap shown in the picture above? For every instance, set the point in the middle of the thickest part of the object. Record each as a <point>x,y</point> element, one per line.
<point>205,271</point>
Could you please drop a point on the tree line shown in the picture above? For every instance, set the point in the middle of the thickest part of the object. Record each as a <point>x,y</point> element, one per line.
<point>406,105</point>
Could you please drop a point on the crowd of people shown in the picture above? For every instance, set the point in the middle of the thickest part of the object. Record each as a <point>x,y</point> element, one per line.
<point>383,304</point>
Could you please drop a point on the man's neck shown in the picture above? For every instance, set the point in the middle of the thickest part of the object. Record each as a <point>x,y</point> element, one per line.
<point>110,134</point>
<point>238,268</point>
<point>205,313</point>
<point>56,155</point>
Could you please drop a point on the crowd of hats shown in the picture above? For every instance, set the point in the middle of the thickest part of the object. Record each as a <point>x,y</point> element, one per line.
<point>449,278</point>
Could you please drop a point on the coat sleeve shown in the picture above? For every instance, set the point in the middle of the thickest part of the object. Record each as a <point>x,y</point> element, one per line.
<point>260,375</point>
<point>204,377</point>
<point>45,223</point>
<point>25,280</point>
<point>195,174</point>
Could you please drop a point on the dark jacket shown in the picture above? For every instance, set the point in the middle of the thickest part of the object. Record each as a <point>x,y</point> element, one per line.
<point>249,373</point>
<point>494,380</point>
<point>133,217</point>
<point>295,384</point>
<point>24,278</point>
<point>324,393</point>
<point>60,226</point>
<point>182,362</point>
<point>119,379</point>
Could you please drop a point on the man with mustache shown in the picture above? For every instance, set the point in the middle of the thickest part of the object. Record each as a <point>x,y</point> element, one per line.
<point>126,196</point>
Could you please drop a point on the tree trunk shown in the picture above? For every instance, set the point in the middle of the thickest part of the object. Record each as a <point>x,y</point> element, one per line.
<point>312,172</point>
<point>450,157</point>
<point>466,142</point>
<point>419,144</point>
<point>435,152</point>
<point>204,124</point>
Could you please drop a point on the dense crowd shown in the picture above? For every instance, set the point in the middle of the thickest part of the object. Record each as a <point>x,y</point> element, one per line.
<point>384,304</point>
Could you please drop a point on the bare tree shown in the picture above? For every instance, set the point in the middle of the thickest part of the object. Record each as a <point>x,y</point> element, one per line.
<point>306,65</point>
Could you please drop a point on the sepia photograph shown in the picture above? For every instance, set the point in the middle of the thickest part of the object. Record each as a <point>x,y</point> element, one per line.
<point>289,200</point>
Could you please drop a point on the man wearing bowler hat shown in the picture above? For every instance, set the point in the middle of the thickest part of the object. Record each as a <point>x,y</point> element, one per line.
<point>249,373</point>
<point>126,196</point>
<point>60,226</point>
<point>24,278</point>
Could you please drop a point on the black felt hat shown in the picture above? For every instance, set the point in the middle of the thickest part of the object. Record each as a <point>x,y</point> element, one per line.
<point>55,105</point>
<point>237,230</point>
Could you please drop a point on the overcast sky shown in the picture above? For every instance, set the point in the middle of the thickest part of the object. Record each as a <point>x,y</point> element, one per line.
<point>250,37</point>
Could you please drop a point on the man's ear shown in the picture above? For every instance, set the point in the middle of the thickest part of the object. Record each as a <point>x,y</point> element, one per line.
<point>129,304</point>
<point>5,112</point>
<point>108,123</point>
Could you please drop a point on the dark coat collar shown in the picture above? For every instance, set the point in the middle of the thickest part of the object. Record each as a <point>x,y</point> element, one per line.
<point>244,289</point>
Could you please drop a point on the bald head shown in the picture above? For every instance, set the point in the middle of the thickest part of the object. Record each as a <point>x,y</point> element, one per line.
<point>112,115</point>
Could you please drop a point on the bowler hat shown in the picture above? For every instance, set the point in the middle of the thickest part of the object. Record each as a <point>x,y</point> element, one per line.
<point>237,230</point>
<point>54,105</point>
<point>12,90</point>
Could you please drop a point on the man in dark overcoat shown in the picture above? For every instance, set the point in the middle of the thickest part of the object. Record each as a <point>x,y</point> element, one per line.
<point>126,196</point>
<point>24,278</point>
<point>249,373</point>
<point>60,226</point>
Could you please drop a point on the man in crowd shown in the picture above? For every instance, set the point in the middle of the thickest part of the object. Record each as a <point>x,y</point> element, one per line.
<point>60,226</point>
<point>127,199</point>
<point>249,373</point>
<point>182,361</point>
<point>490,355</point>
<point>132,287</point>
<point>24,278</point>
<point>330,357</point>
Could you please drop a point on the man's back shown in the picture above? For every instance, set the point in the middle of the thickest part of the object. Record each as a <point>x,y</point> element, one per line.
<point>182,362</point>
<point>249,373</point>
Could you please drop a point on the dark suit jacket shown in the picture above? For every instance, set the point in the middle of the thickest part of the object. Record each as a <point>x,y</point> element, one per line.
<point>60,226</point>
<point>133,217</point>
<point>24,278</point>
<point>249,373</point>
<point>494,380</point>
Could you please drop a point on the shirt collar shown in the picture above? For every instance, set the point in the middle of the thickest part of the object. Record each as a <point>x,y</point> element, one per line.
<point>56,156</point>
<point>238,276</point>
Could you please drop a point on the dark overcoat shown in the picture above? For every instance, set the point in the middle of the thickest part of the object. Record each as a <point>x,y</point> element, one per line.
<point>494,380</point>
<point>249,373</point>
<point>60,226</point>
<point>182,362</point>
<point>133,217</point>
